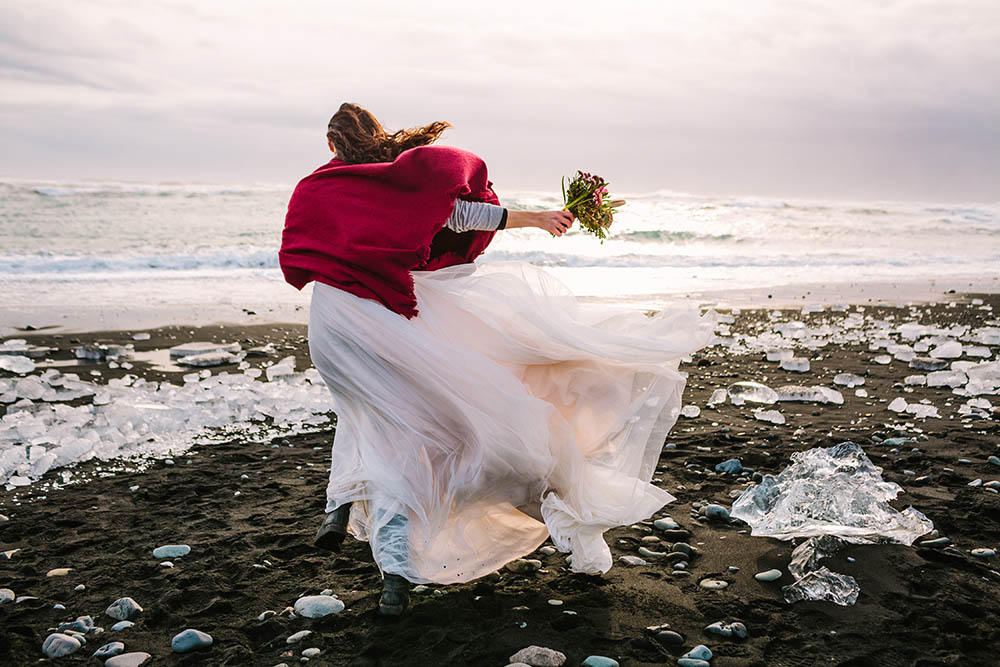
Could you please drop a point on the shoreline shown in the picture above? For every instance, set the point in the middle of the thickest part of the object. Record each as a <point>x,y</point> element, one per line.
<point>149,307</point>
<point>252,550</point>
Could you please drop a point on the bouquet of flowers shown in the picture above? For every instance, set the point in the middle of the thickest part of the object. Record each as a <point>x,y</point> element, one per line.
<point>587,198</point>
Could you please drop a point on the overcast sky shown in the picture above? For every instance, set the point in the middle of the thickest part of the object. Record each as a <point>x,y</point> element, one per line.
<point>846,99</point>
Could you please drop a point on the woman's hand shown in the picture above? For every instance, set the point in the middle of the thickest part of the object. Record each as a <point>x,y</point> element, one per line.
<point>554,222</point>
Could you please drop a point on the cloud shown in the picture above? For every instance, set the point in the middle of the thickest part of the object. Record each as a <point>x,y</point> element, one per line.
<point>891,99</point>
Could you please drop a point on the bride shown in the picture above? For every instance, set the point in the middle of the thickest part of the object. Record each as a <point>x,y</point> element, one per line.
<point>481,408</point>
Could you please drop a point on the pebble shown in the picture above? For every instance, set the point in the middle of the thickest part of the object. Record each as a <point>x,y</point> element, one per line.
<point>317,606</point>
<point>650,554</point>
<point>166,564</point>
<point>716,512</point>
<point>190,640</point>
<point>548,551</point>
<point>984,553</point>
<point>6,595</point>
<point>730,467</point>
<point>298,636</point>
<point>768,575</point>
<point>59,572</point>
<point>670,637</point>
<point>632,560</point>
<point>692,662</point>
<point>171,551</point>
<point>133,659</point>
<point>699,652</point>
<point>123,609</point>
<point>82,624</point>
<point>121,625</point>
<point>524,565</point>
<point>728,630</point>
<point>683,548</point>
<point>678,535</point>
<point>539,656</point>
<point>995,460</point>
<point>311,652</point>
<point>57,645</point>
<point>937,543</point>
<point>59,606</point>
<point>110,649</point>
<point>266,614</point>
<point>713,584</point>
<point>666,523</point>
<point>598,661</point>
<point>80,587</point>
<point>421,588</point>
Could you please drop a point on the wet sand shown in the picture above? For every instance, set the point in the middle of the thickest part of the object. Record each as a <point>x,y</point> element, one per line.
<point>253,551</point>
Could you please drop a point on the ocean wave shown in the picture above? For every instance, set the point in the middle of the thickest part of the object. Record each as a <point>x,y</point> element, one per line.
<point>113,189</point>
<point>43,263</point>
<point>671,236</point>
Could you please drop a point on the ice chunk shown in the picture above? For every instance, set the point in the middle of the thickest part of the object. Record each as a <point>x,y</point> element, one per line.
<point>779,354</point>
<point>829,491</point>
<point>915,380</point>
<point>718,397</point>
<point>770,416</point>
<point>216,358</point>
<point>815,394</point>
<point>690,411</point>
<point>16,364</point>
<point>977,351</point>
<point>795,364</point>
<point>753,392</point>
<point>922,410</point>
<point>814,582</point>
<point>188,349</point>
<point>848,380</point>
<point>141,336</point>
<point>30,387</point>
<point>883,359</point>
<point>946,379</point>
<point>949,350</point>
<point>284,367</point>
<point>90,352</point>
<point>897,405</point>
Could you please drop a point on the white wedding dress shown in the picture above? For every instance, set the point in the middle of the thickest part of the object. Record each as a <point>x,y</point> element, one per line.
<point>506,412</point>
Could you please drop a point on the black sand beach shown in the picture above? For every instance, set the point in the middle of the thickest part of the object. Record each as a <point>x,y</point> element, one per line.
<point>252,549</point>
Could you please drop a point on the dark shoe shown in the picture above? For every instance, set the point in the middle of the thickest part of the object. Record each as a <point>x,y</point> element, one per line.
<point>333,529</point>
<point>395,595</point>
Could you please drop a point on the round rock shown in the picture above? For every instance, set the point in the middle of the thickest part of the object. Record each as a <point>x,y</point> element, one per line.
<point>317,606</point>
<point>57,645</point>
<point>109,650</point>
<point>190,640</point>
<point>539,656</point>
<point>171,551</point>
<point>123,609</point>
<point>133,659</point>
<point>524,565</point>
<point>713,584</point>
<point>121,625</point>
<point>768,575</point>
<point>298,636</point>
<point>6,595</point>
<point>598,661</point>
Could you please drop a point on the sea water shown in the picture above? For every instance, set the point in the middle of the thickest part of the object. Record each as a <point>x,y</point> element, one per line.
<point>76,245</point>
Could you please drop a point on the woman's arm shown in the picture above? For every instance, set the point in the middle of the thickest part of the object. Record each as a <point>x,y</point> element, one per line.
<point>468,215</point>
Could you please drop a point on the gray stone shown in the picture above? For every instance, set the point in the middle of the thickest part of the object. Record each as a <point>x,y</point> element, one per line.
<point>692,662</point>
<point>683,548</point>
<point>730,467</point>
<point>311,652</point>
<point>133,659</point>
<point>936,543</point>
<point>632,560</point>
<point>699,652</point>
<point>58,645</point>
<point>82,624</point>
<point>317,606</point>
<point>768,575</point>
<point>983,552</point>
<point>6,595</point>
<point>298,636</point>
<point>123,609</point>
<point>666,523</point>
<point>716,512</point>
<point>650,554</point>
<point>539,656</point>
<point>713,584</point>
<point>171,551</point>
<point>598,661</point>
<point>190,640</point>
<point>995,460</point>
<point>109,650</point>
<point>524,565</point>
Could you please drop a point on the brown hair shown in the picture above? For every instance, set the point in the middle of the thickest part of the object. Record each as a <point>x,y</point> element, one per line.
<point>359,138</point>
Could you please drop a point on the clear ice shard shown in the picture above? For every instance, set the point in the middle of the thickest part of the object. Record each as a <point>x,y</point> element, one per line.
<point>848,380</point>
<point>815,394</point>
<point>178,351</point>
<point>718,397</point>
<point>214,358</point>
<point>752,392</point>
<point>770,416</point>
<point>795,364</point>
<point>16,364</point>
<point>831,495</point>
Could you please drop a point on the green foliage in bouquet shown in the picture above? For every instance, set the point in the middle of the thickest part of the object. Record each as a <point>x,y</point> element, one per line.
<point>587,198</point>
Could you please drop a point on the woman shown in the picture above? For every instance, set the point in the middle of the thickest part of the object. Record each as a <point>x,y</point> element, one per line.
<point>481,408</point>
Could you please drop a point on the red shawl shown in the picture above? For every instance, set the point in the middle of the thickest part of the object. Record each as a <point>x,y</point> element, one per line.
<point>364,227</point>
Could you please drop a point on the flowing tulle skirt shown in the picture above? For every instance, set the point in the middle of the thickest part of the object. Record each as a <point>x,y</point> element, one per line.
<point>505,413</point>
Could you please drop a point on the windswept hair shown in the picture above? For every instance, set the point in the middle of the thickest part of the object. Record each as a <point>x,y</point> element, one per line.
<point>359,138</point>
